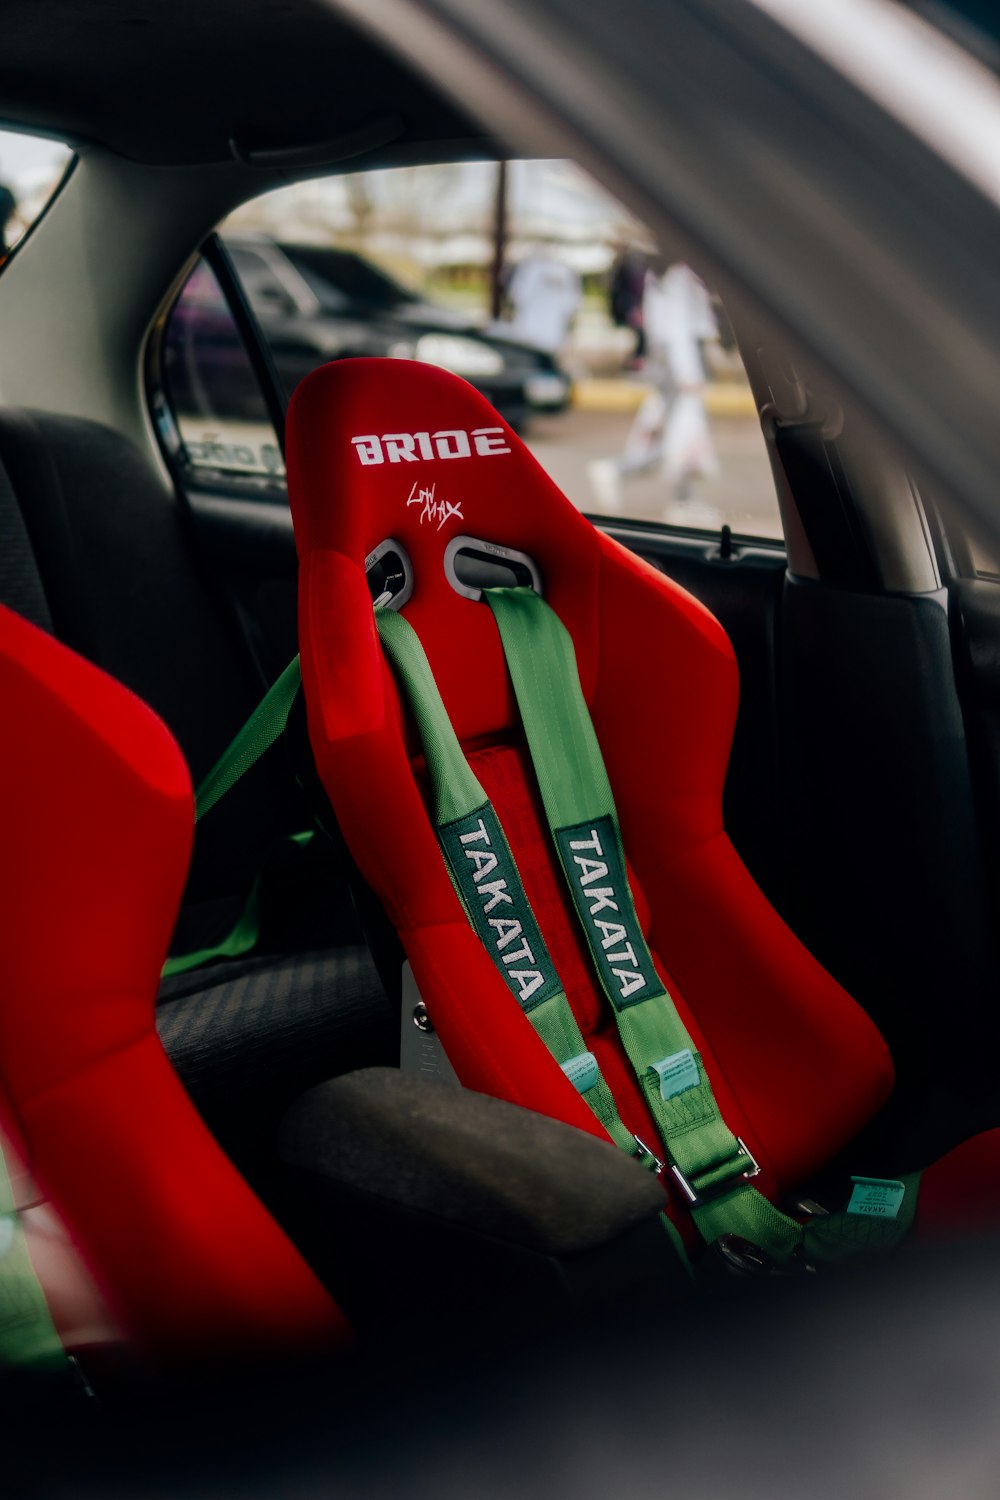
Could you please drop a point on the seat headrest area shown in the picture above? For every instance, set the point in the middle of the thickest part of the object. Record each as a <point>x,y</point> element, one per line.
<point>392,450</point>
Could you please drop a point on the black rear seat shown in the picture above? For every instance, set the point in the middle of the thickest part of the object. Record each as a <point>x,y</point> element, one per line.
<point>122,588</point>
<point>93,550</point>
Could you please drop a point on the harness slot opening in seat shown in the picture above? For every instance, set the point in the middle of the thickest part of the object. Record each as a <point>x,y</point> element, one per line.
<point>472,565</point>
<point>390,574</point>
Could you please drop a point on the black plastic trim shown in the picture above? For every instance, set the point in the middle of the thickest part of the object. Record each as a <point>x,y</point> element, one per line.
<point>258,350</point>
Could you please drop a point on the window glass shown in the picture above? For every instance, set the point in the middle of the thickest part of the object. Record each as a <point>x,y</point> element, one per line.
<point>222,423</point>
<point>969,551</point>
<point>618,368</point>
<point>31,168</point>
<point>984,558</point>
<point>345,277</point>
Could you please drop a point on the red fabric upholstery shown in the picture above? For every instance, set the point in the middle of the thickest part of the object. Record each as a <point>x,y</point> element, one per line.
<point>796,1065</point>
<point>960,1193</point>
<point>97,819</point>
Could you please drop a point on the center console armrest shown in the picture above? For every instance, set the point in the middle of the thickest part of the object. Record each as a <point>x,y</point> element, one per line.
<point>468,1159</point>
<point>441,1216</point>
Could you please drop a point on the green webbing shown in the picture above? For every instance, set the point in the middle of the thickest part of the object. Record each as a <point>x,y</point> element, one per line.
<point>455,790</point>
<point>239,940</point>
<point>27,1333</point>
<point>580,810</point>
<point>834,1238</point>
<point>457,796</point>
<point>265,725</point>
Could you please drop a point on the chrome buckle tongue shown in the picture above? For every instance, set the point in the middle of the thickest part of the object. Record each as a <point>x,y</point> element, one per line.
<point>649,1158</point>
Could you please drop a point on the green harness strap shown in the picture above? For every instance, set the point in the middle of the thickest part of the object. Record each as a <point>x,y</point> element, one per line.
<point>27,1333</point>
<point>267,722</point>
<point>265,725</point>
<point>486,879</point>
<point>710,1163</point>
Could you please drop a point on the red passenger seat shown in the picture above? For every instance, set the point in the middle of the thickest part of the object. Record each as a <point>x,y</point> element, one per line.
<point>97,820</point>
<point>391,450</point>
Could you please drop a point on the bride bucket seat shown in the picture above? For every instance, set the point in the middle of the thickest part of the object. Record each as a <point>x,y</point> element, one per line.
<point>401,460</point>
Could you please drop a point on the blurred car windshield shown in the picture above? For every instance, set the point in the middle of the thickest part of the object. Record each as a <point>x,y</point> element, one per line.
<point>349,274</point>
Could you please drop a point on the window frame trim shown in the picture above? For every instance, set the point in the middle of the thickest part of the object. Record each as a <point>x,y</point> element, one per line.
<point>190,478</point>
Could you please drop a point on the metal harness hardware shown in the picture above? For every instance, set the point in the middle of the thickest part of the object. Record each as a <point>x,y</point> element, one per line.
<point>698,1197</point>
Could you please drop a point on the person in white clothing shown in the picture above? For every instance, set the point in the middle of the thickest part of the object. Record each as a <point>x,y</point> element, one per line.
<point>545,296</point>
<point>671,426</point>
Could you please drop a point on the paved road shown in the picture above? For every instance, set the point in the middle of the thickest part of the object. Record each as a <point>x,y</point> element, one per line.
<point>742,495</point>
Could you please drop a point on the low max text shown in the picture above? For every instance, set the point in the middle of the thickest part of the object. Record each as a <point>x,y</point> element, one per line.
<point>437,512</point>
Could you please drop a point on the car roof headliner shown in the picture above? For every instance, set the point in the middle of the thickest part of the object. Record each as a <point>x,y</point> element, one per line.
<point>175,84</point>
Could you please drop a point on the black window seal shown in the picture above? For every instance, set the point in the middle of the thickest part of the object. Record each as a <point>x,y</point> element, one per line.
<point>190,479</point>
<point>258,350</point>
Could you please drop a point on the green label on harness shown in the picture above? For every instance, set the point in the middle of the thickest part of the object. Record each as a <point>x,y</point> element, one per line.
<point>582,1071</point>
<point>592,859</point>
<point>876,1198</point>
<point>677,1073</point>
<point>486,877</point>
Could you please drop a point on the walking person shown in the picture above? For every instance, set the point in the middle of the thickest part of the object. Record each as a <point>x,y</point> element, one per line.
<point>545,296</point>
<point>626,289</point>
<point>671,426</point>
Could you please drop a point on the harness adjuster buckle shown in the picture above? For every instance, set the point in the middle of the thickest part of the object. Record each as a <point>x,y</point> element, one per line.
<point>649,1157</point>
<point>699,1197</point>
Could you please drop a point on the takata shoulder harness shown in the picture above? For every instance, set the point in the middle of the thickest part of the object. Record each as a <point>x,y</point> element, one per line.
<point>711,1167</point>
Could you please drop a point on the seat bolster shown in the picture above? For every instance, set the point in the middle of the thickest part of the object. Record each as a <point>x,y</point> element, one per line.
<point>960,1193</point>
<point>96,807</point>
<point>793,1053</point>
<point>484,1031</point>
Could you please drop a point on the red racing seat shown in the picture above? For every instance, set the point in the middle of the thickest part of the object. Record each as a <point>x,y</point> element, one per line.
<point>393,450</point>
<point>97,818</point>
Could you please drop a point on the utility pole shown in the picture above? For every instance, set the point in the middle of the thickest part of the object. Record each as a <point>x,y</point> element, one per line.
<point>499,241</point>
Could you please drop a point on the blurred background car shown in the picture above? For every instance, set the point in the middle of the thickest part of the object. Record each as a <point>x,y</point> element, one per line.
<point>321,303</point>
